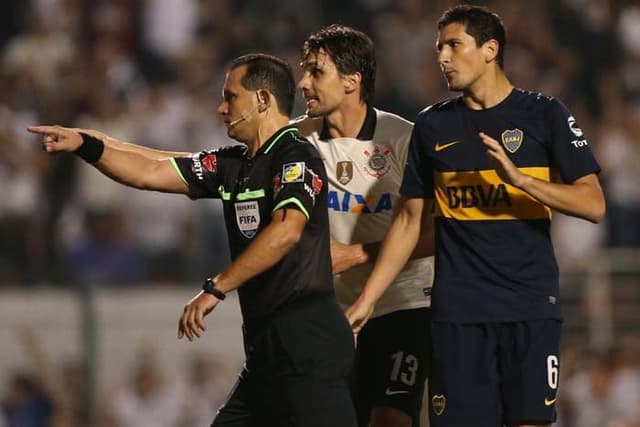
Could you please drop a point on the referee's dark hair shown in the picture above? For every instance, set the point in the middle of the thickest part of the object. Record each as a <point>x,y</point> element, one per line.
<point>480,23</point>
<point>351,50</point>
<point>271,73</point>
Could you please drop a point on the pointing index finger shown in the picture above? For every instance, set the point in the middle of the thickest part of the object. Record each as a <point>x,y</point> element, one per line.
<point>43,130</point>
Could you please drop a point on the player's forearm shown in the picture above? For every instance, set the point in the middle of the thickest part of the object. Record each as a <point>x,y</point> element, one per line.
<point>150,153</point>
<point>395,251</point>
<point>424,247</point>
<point>127,167</point>
<point>266,250</point>
<point>369,252</point>
<point>582,199</point>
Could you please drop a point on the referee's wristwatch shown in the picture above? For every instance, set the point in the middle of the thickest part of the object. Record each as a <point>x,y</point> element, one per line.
<point>210,288</point>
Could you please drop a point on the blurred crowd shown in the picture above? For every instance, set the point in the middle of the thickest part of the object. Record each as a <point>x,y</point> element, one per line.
<point>150,71</point>
<point>49,394</point>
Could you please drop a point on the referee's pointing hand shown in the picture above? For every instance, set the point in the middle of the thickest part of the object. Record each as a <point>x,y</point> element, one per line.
<point>57,138</point>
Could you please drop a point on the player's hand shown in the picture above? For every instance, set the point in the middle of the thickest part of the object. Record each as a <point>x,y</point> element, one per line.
<point>191,322</point>
<point>344,257</point>
<point>56,138</point>
<point>358,314</point>
<point>506,170</point>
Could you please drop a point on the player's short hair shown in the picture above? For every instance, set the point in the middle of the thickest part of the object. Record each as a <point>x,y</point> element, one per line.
<point>351,50</point>
<point>271,73</point>
<point>480,23</point>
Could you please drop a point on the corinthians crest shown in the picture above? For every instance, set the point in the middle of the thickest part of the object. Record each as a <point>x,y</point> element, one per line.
<point>379,162</point>
<point>512,139</point>
<point>344,172</point>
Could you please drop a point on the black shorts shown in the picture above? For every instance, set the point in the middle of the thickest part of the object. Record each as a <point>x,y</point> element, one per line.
<point>298,366</point>
<point>392,362</point>
<point>490,374</point>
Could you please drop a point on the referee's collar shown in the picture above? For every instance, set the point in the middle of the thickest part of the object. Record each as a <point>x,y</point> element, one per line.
<point>366,132</point>
<point>276,137</point>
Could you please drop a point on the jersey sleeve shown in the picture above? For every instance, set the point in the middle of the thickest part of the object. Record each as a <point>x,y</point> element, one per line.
<point>201,172</point>
<point>298,179</point>
<point>570,149</point>
<point>417,181</point>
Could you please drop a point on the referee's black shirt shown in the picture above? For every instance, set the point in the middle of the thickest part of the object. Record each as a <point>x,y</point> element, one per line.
<point>286,172</point>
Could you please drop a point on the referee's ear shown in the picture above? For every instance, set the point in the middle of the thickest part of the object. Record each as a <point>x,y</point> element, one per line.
<point>264,100</point>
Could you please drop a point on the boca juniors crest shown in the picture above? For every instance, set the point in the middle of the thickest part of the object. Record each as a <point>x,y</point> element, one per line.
<point>512,139</point>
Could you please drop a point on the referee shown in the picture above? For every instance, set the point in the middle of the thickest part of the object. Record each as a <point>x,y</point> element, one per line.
<point>298,344</point>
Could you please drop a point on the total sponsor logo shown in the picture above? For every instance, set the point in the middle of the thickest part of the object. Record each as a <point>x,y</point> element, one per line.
<point>359,203</point>
<point>575,129</point>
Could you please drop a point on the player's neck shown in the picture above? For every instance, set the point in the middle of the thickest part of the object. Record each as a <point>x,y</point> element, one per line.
<point>265,131</point>
<point>488,91</point>
<point>347,120</point>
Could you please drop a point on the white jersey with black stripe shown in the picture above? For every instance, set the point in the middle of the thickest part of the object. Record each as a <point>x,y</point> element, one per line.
<point>364,181</point>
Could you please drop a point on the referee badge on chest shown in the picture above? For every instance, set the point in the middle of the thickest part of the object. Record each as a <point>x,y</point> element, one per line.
<point>344,172</point>
<point>512,139</point>
<point>248,217</point>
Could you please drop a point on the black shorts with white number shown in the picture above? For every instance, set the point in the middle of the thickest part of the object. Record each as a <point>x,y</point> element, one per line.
<point>491,374</point>
<point>392,363</point>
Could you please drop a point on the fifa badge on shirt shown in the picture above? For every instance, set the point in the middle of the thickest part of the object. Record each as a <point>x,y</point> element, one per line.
<point>248,217</point>
<point>344,172</point>
<point>512,139</point>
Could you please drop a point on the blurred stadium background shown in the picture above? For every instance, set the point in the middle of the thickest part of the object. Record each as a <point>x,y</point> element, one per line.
<point>93,276</point>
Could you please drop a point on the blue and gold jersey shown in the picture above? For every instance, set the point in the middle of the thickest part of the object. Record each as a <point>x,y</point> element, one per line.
<point>286,172</point>
<point>494,257</point>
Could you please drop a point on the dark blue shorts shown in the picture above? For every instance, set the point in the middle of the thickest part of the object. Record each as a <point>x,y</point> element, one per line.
<point>492,374</point>
<point>392,362</point>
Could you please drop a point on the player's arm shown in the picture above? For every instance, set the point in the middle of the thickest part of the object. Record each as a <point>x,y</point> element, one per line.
<point>345,256</point>
<point>269,246</point>
<point>397,247</point>
<point>582,198</point>
<point>151,153</point>
<point>117,161</point>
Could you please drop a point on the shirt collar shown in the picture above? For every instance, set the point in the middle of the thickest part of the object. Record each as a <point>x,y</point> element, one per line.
<point>366,132</point>
<point>275,138</point>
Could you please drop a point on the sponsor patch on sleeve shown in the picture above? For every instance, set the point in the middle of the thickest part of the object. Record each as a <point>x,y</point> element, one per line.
<point>210,163</point>
<point>293,172</point>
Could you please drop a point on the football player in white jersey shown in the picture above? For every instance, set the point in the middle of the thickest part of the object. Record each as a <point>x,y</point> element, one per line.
<point>364,151</point>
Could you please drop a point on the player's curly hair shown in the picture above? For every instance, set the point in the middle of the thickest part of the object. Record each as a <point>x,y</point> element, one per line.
<point>351,50</point>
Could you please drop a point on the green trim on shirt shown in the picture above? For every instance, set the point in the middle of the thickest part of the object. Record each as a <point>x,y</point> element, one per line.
<point>175,166</point>
<point>223,194</point>
<point>277,138</point>
<point>248,194</point>
<point>295,202</point>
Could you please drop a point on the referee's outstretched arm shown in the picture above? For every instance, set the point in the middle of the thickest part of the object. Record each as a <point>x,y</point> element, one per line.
<point>128,164</point>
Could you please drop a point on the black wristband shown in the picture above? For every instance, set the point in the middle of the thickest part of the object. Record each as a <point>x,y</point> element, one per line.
<point>91,148</point>
<point>210,288</point>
